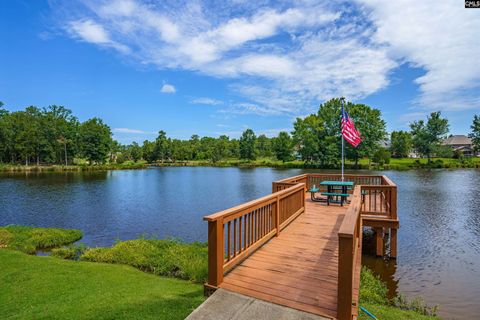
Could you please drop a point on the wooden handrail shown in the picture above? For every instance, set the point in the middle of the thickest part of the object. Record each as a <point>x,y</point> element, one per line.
<point>235,233</point>
<point>349,241</point>
<point>250,204</point>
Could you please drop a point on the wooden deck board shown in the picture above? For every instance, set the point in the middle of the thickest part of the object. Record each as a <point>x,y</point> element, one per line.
<point>298,269</point>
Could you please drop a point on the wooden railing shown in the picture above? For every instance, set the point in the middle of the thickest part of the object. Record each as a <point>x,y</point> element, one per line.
<point>288,182</point>
<point>350,250</point>
<point>235,233</point>
<point>379,193</point>
<point>380,200</point>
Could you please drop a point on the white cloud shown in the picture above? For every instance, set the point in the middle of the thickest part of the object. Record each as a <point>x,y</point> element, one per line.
<point>440,38</point>
<point>287,57</point>
<point>207,101</point>
<point>168,88</point>
<point>131,131</point>
<point>92,32</point>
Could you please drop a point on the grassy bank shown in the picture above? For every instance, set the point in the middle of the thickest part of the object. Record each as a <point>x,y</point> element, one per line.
<point>161,257</point>
<point>28,239</point>
<point>49,288</point>
<point>103,283</point>
<point>373,297</point>
<point>73,168</point>
<point>364,164</point>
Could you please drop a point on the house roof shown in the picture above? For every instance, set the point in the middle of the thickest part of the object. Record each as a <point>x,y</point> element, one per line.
<point>458,139</point>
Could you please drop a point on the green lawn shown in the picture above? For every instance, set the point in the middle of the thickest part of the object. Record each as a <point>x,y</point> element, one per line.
<point>49,288</point>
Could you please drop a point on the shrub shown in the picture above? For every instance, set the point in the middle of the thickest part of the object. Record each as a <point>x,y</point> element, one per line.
<point>373,292</point>
<point>72,252</point>
<point>162,257</point>
<point>382,156</point>
<point>417,304</point>
<point>28,239</point>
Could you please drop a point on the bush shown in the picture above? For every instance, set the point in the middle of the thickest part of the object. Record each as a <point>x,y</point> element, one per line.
<point>373,296</point>
<point>162,257</point>
<point>72,252</point>
<point>28,239</point>
<point>382,156</point>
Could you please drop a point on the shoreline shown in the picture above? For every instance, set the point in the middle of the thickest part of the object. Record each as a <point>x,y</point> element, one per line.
<point>404,164</point>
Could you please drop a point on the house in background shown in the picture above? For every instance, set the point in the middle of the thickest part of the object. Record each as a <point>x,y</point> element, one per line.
<point>460,143</point>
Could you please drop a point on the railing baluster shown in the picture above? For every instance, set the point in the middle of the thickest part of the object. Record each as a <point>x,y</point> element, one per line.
<point>228,241</point>
<point>235,237</point>
<point>240,247</point>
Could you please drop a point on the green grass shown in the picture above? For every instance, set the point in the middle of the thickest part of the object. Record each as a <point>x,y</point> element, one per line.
<point>72,168</point>
<point>373,297</point>
<point>363,164</point>
<point>28,239</point>
<point>162,257</point>
<point>48,288</point>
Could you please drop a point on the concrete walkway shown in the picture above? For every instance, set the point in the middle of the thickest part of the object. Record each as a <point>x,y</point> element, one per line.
<point>226,305</point>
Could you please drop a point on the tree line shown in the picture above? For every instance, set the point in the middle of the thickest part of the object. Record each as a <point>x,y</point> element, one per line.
<point>53,135</point>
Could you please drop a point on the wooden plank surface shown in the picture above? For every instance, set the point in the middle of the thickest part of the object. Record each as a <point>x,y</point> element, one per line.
<point>298,268</point>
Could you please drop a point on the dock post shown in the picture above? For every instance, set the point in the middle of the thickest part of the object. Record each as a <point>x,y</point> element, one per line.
<point>393,243</point>
<point>215,255</point>
<point>379,241</point>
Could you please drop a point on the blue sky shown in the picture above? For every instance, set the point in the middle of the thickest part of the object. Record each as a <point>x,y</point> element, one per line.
<point>219,67</point>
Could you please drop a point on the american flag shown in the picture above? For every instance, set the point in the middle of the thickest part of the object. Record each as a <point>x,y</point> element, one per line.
<point>350,134</point>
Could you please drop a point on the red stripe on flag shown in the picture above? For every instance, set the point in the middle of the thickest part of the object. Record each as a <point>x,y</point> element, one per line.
<point>349,132</point>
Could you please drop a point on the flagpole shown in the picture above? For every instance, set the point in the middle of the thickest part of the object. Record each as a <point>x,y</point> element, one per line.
<point>342,158</point>
<point>342,144</point>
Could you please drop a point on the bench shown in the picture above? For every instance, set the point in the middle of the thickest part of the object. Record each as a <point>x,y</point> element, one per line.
<point>330,195</point>
<point>312,195</point>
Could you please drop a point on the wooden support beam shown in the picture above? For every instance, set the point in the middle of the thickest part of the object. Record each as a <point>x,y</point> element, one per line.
<point>379,241</point>
<point>345,278</point>
<point>393,243</point>
<point>215,253</point>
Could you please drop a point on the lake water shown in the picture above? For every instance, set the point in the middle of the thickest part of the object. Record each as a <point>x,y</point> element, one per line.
<point>439,211</point>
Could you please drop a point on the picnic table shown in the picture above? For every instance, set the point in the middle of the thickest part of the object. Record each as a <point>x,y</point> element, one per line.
<point>335,190</point>
<point>333,187</point>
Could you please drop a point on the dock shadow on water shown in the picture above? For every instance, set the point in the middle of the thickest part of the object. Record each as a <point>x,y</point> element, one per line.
<point>439,212</point>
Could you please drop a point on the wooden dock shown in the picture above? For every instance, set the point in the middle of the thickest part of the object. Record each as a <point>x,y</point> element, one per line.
<point>286,249</point>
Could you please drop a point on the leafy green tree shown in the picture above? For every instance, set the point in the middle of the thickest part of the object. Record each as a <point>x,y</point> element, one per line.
<point>367,120</point>
<point>401,144</point>
<point>372,128</point>
<point>234,148</point>
<point>4,133</point>
<point>282,146</point>
<point>220,148</point>
<point>148,151</point>
<point>475,134</point>
<point>264,146</point>
<point>194,146</point>
<point>135,152</point>
<point>60,129</point>
<point>161,150</point>
<point>95,140</point>
<point>319,136</point>
<point>307,134</point>
<point>427,136</point>
<point>247,145</point>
